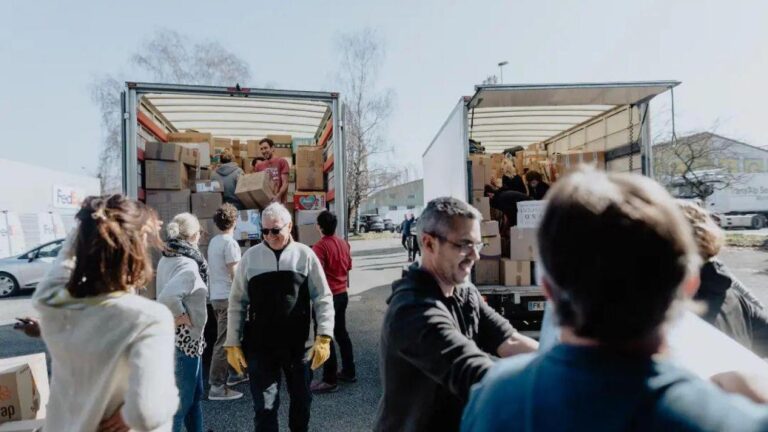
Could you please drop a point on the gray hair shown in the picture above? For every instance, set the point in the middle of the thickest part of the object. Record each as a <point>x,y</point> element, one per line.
<point>184,226</point>
<point>276,211</point>
<point>437,218</point>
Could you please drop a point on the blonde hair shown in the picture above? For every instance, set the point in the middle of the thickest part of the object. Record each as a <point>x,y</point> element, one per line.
<point>184,226</point>
<point>709,237</point>
<point>508,168</point>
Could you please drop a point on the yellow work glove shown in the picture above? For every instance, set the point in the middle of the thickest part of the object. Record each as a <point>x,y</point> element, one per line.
<point>236,359</point>
<point>320,351</point>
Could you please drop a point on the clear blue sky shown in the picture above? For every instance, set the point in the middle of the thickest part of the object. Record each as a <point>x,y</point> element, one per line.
<point>437,51</point>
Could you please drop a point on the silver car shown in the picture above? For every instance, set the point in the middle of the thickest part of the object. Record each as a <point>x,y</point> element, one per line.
<point>24,272</point>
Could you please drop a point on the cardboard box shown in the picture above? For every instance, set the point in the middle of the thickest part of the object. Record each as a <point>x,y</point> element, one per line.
<point>482,171</point>
<point>162,151</point>
<point>223,143</point>
<point>252,148</point>
<point>309,157</point>
<point>205,204</point>
<point>515,273</point>
<point>486,272</point>
<point>492,248</point>
<point>489,228</point>
<point>255,190</point>
<point>204,174</point>
<point>308,234</point>
<point>190,154</point>
<point>23,426</point>
<point>477,194</point>
<point>568,162</point>
<point>281,139</point>
<point>309,200</point>
<point>530,213</point>
<point>522,244</point>
<point>483,205</point>
<point>307,217</point>
<point>24,388</point>
<point>192,137</point>
<point>286,153</point>
<point>208,186</point>
<point>248,226</point>
<point>165,175</point>
<point>168,204</point>
<point>309,179</point>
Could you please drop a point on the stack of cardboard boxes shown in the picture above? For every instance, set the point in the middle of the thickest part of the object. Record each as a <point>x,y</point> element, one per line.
<point>487,268</point>
<point>308,198</point>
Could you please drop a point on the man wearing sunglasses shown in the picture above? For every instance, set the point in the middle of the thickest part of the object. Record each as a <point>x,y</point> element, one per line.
<point>276,283</point>
<point>438,334</point>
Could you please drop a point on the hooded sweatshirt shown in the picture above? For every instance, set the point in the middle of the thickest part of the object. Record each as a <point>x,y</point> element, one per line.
<point>108,352</point>
<point>228,174</point>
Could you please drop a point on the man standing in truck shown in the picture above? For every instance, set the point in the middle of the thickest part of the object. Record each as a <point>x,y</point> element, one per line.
<point>277,168</point>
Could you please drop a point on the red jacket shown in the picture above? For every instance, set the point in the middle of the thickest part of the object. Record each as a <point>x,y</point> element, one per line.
<point>334,254</point>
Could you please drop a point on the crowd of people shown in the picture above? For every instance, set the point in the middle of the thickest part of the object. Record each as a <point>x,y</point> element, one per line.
<point>619,260</point>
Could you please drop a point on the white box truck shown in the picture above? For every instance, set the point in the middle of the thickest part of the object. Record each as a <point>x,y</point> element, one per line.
<point>609,117</point>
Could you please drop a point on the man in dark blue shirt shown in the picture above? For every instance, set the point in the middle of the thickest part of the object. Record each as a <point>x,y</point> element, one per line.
<point>616,254</point>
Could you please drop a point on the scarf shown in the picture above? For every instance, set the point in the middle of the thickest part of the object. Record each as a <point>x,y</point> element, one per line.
<point>180,248</point>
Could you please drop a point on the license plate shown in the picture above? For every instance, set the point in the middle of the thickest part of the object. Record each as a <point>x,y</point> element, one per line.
<point>536,306</point>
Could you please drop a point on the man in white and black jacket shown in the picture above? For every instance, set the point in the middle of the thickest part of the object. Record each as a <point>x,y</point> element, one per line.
<point>275,283</point>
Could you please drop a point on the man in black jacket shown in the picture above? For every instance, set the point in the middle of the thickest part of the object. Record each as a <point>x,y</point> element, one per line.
<point>438,334</point>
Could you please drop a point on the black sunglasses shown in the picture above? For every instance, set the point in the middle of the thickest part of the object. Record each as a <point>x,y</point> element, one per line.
<point>273,231</point>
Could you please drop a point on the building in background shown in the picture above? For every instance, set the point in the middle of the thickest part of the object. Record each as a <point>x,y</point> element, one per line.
<point>38,204</point>
<point>396,201</point>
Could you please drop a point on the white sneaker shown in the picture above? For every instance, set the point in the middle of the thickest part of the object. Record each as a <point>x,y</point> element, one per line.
<point>223,393</point>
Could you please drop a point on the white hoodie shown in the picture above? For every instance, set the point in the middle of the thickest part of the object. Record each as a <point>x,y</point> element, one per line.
<point>108,352</point>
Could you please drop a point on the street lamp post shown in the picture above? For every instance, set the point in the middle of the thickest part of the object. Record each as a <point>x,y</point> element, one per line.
<point>501,70</point>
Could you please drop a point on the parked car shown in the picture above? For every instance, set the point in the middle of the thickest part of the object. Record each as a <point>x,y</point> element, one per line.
<point>389,225</point>
<point>25,271</point>
<point>371,223</point>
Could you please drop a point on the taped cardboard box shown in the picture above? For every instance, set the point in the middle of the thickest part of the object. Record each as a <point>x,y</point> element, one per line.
<point>208,186</point>
<point>192,137</point>
<point>491,247</point>
<point>205,204</point>
<point>168,204</point>
<point>255,190</point>
<point>516,273</point>
<point>522,244</point>
<point>162,151</point>
<point>489,228</point>
<point>486,272</point>
<point>25,388</point>
<point>308,234</point>
<point>309,200</point>
<point>309,178</point>
<point>482,172</point>
<point>197,154</point>
<point>309,157</point>
<point>165,175</point>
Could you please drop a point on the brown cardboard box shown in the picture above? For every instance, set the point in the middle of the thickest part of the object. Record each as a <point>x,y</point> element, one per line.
<point>515,273</point>
<point>190,155</point>
<point>567,162</point>
<point>281,139</point>
<point>192,137</point>
<point>255,190</point>
<point>489,228</point>
<point>309,179</point>
<point>169,203</point>
<point>162,151</point>
<point>205,204</point>
<point>483,205</point>
<point>283,153</point>
<point>19,399</point>
<point>165,175</point>
<point>208,186</point>
<point>477,194</point>
<point>482,172</point>
<point>308,234</point>
<point>223,143</point>
<point>309,157</point>
<point>492,247</point>
<point>486,272</point>
<point>252,148</point>
<point>204,174</point>
<point>522,244</point>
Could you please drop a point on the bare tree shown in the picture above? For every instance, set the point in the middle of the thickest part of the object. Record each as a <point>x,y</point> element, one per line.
<point>697,165</point>
<point>366,111</point>
<point>170,57</point>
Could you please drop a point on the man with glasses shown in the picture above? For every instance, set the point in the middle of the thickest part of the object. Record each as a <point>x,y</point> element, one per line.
<point>438,334</point>
<point>276,282</point>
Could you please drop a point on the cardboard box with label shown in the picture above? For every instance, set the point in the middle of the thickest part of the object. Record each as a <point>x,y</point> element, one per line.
<point>489,228</point>
<point>309,200</point>
<point>24,389</point>
<point>486,272</point>
<point>491,247</point>
<point>483,205</point>
<point>309,179</point>
<point>208,186</point>
<point>248,225</point>
<point>522,244</point>
<point>165,175</point>
<point>515,273</point>
<point>255,190</point>
<point>162,151</point>
<point>308,234</point>
<point>168,204</point>
<point>309,157</point>
<point>205,204</point>
<point>529,213</point>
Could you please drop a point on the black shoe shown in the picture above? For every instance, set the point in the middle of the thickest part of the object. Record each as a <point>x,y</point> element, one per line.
<point>345,377</point>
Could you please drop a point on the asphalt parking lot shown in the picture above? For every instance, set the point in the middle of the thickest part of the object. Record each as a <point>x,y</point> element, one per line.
<point>353,408</point>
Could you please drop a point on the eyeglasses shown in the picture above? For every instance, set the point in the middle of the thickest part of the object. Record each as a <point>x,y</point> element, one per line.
<point>465,248</point>
<point>273,231</point>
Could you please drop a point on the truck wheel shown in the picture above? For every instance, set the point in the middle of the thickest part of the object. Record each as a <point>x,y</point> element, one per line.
<point>758,221</point>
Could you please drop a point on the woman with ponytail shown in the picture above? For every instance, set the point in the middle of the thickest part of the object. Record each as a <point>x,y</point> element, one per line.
<point>110,348</point>
<point>182,284</point>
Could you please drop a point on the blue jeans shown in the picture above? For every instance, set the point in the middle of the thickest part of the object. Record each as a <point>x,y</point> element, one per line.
<point>264,370</point>
<point>189,380</point>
